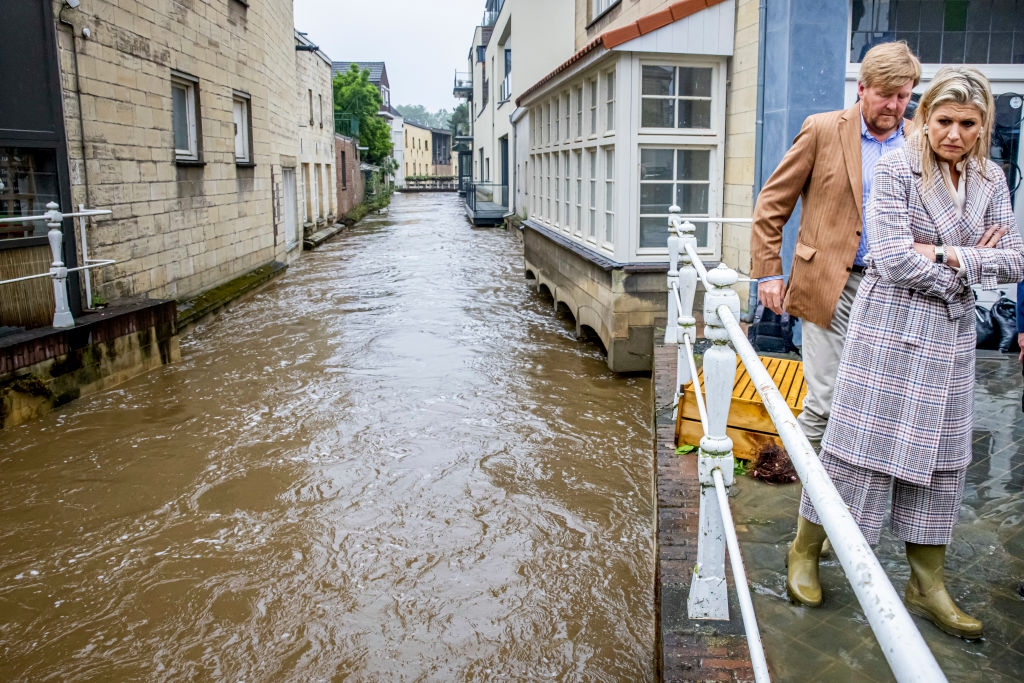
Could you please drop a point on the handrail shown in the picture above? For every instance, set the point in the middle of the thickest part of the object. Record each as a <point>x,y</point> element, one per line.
<point>904,648</point>
<point>58,271</point>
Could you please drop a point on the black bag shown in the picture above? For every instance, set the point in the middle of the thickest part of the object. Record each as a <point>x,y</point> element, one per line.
<point>987,337</point>
<point>770,332</point>
<point>1004,321</point>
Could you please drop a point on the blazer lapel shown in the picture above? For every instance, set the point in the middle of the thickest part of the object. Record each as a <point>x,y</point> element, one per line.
<point>978,192</point>
<point>935,197</point>
<point>849,134</point>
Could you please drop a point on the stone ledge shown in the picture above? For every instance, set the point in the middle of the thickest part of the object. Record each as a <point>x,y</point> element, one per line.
<point>191,311</point>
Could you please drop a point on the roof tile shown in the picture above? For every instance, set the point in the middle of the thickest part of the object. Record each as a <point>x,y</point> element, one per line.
<point>653,22</point>
<point>620,35</point>
<point>685,8</point>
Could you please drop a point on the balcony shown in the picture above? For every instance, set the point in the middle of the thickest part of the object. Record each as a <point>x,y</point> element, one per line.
<point>486,203</point>
<point>463,85</point>
<point>506,88</point>
<point>347,125</point>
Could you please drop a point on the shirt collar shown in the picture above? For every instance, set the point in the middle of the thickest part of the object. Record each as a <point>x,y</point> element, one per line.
<point>864,134</point>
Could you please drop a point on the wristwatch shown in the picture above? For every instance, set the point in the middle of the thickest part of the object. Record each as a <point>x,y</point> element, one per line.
<point>940,254</point>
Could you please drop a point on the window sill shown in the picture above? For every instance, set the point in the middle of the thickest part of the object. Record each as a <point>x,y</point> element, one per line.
<point>245,164</point>
<point>190,162</point>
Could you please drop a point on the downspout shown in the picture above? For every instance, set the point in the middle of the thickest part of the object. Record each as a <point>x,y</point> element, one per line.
<point>78,95</point>
<point>762,10</point>
<point>515,168</point>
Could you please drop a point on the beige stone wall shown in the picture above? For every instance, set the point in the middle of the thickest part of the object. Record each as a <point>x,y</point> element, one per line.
<point>315,125</point>
<point>741,115</point>
<point>178,230</point>
<point>418,155</point>
<point>350,186</point>
<point>625,12</point>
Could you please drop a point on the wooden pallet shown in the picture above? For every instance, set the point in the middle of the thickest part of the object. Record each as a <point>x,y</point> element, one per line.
<point>749,425</point>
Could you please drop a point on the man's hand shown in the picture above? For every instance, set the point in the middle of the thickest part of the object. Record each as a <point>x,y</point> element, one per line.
<point>771,293</point>
<point>1020,343</point>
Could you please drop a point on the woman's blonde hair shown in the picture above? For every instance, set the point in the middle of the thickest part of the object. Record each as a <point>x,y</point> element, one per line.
<point>888,66</point>
<point>955,85</point>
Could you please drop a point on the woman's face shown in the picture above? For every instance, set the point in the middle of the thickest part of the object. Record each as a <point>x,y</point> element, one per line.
<point>953,130</point>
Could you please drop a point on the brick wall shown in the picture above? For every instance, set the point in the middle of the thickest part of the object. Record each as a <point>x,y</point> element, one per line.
<point>177,230</point>
<point>350,187</point>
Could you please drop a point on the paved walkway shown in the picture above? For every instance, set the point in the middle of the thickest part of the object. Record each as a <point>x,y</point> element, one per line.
<point>984,566</point>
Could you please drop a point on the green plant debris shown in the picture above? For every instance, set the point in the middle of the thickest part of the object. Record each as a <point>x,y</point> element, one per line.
<point>685,448</point>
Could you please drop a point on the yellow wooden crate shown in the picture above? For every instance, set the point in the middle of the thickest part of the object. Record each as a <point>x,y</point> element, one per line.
<point>749,425</point>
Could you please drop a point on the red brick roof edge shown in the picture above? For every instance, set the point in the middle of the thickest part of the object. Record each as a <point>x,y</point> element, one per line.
<point>624,34</point>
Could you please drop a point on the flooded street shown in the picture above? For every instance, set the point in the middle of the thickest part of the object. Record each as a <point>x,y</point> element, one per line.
<point>394,463</point>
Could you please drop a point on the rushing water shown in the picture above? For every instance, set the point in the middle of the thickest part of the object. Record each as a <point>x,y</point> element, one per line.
<point>394,463</point>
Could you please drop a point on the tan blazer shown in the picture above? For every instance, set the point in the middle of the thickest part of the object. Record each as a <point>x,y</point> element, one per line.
<point>823,168</point>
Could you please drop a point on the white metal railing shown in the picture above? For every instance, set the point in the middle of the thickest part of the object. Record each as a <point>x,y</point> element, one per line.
<point>904,648</point>
<point>58,272</point>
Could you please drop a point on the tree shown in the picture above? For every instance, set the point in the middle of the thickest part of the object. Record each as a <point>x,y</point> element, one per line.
<point>417,113</point>
<point>458,124</point>
<point>354,94</point>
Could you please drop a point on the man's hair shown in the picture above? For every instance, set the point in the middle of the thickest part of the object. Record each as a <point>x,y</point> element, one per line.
<point>966,87</point>
<point>889,65</point>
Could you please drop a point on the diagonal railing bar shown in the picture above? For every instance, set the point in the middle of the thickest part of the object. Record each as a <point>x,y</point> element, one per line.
<point>698,392</point>
<point>904,648</point>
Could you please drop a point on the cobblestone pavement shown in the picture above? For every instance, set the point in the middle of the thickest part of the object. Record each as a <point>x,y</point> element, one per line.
<point>984,566</point>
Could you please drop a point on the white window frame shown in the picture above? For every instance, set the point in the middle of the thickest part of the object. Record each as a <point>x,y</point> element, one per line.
<point>243,128</point>
<point>608,153</point>
<point>690,138</point>
<point>609,102</point>
<point>188,84</point>
<point>716,107</point>
<point>567,188</point>
<point>592,87</point>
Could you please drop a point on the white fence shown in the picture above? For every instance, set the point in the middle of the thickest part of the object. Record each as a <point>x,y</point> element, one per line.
<point>58,272</point>
<point>901,642</point>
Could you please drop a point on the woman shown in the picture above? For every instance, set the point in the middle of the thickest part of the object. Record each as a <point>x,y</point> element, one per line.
<point>938,221</point>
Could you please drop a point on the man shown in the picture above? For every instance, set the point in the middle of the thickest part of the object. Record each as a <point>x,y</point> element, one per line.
<point>830,166</point>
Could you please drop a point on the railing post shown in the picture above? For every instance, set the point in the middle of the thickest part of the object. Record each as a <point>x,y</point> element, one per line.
<point>686,324</point>
<point>59,273</point>
<point>708,598</point>
<point>672,279</point>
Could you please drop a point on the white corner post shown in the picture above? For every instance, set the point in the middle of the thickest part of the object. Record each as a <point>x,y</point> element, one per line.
<point>672,280</point>
<point>686,324</point>
<point>708,597</point>
<point>58,271</point>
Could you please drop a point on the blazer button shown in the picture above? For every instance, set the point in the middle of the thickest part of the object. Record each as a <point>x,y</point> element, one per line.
<point>849,270</point>
<point>858,233</point>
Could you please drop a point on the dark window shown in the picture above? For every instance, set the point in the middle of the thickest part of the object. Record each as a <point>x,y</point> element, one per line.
<point>481,53</point>
<point>344,171</point>
<point>942,31</point>
<point>28,180</point>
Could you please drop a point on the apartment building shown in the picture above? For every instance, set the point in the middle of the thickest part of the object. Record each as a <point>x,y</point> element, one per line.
<point>315,123</point>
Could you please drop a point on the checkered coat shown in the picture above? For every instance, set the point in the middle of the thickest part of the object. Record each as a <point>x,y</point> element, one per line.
<point>904,395</point>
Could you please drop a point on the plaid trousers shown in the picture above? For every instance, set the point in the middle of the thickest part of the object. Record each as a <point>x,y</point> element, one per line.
<point>920,514</point>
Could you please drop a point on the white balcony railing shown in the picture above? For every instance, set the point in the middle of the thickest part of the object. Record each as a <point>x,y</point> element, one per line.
<point>901,642</point>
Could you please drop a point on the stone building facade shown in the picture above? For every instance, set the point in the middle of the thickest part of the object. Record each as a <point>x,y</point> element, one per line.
<point>314,121</point>
<point>417,143</point>
<point>180,119</point>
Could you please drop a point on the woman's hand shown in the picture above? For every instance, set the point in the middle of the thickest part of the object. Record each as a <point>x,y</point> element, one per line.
<point>988,240</point>
<point>991,237</point>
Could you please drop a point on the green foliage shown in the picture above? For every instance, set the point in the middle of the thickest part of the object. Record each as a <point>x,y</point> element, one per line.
<point>685,448</point>
<point>353,93</point>
<point>740,467</point>
<point>418,114</point>
<point>459,122</point>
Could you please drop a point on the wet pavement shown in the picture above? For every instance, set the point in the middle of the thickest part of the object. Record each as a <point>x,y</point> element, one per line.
<point>984,566</point>
<point>393,463</point>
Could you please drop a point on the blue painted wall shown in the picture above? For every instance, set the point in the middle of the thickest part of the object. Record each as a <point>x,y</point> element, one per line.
<point>804,73</point>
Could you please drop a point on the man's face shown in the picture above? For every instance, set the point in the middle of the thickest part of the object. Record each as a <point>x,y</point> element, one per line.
<point>883,108</point>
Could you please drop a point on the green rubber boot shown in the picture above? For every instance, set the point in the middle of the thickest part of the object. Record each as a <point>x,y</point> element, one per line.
<point>926,594</point>
<point>802,583</point>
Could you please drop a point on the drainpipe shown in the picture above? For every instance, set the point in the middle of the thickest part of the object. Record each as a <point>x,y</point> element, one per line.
<point>762,10</point>
<point>78,94</point>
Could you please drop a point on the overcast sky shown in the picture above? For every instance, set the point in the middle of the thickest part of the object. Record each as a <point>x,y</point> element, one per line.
<point>421,43</point>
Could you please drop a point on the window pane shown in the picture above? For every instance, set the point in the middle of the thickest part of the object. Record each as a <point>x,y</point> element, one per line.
<point>694,113</point>
<point>658,80</point>
<point>908,14</point>
<point>180,115</point>
<point>656,198</point>
<point>953,47</point>
<point>28,180</point>
<point>654,231</point>
<point>656,164</point>
<point>694,81</point>
<point>977,48</point>
<point>656,113</point>
<point>692,198</point>
<point>955,15</point>
<point>932,17</point>
<point>861,16</point>
<point>693,164</point>
<point>929,46</point>
<point>979,14</point>
<point>1000,48</point>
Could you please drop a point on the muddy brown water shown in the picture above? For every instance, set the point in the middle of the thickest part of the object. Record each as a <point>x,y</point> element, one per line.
<point>394,463</point>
